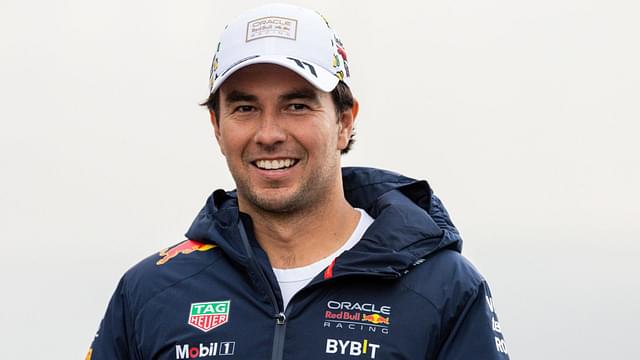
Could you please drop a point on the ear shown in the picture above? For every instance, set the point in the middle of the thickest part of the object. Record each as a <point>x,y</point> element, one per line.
<point>346,124</point>
<point>216,131</point>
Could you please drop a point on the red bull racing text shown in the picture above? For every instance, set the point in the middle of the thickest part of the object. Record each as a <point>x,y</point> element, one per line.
<point>357,316</point>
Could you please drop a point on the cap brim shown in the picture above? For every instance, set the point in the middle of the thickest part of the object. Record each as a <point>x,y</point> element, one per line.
<point>313,73</point>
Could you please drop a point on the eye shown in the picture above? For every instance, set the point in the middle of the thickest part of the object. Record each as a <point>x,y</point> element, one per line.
<point>244,108</point>
<point>297,107</point>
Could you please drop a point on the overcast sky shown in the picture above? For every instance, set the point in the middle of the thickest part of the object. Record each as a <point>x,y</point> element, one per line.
<point>522,115</point>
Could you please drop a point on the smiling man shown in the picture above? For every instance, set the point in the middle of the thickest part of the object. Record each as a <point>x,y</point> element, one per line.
<point>282,139</point>
<point>305,259</point>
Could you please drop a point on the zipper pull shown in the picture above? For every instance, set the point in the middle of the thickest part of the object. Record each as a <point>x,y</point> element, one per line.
<point>281,318</point>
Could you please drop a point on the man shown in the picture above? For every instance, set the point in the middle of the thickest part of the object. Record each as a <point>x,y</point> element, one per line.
<point>304,259</point>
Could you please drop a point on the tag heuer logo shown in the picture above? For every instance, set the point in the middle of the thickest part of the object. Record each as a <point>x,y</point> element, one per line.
<point>209,315</point>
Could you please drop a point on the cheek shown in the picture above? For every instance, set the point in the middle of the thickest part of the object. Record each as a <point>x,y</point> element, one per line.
<point>230,142</point>
<point>321,141</point>
<point>221,145</point>
<point>233,147</point>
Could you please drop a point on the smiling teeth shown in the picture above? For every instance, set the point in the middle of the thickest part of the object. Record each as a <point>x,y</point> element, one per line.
<point>275,164</point>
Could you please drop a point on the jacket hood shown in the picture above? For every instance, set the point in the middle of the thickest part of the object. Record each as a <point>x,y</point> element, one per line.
<point>410,223</point>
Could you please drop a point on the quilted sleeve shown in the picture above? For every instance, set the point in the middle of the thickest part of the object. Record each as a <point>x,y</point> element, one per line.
<point>476,333</point>
<point>115,338</point>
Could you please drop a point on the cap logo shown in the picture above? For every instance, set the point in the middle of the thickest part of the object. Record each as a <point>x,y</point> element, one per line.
<point>302,64</point>
<point>272,26</point>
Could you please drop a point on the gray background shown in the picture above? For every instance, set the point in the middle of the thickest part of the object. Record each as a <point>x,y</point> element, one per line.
<point>523,115</point>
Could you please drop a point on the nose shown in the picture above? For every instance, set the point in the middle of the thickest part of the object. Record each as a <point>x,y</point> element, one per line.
<point>270,132</point>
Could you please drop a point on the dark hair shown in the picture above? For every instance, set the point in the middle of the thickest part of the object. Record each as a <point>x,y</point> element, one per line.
<point>341,96</point>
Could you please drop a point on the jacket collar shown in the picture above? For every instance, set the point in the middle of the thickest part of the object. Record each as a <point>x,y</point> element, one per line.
<point>410,223</point>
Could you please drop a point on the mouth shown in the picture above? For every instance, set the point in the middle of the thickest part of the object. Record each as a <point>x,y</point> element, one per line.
<point>275,164</point>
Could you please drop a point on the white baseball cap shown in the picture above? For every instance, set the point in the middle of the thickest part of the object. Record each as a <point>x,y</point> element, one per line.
<point>296,38</point>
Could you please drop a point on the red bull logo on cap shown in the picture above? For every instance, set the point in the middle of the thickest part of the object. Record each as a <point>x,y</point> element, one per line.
<point>185,247</point>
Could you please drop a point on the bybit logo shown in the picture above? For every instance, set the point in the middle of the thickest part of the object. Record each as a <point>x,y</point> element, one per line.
<point>351,348</point>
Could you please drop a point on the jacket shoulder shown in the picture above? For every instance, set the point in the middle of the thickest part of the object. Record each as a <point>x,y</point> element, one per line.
<point>445,278</point>
<point>469,327</point>
<point>165,269</point>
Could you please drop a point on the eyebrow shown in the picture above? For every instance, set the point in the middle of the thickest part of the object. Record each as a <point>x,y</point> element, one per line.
<point>300,94</point>
<point>237,96</point>
<point>295,94</point>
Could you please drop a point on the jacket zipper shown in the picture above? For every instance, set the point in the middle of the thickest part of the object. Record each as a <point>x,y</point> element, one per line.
<point>278,336</point>
<point>280,316</point>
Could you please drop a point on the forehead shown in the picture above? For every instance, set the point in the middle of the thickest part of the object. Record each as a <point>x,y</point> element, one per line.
<point>266,78</point>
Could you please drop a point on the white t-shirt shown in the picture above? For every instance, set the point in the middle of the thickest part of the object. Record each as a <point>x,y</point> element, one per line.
<point>292,280</point>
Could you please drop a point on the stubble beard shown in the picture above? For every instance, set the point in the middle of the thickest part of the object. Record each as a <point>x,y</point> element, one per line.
<point>311,193</point>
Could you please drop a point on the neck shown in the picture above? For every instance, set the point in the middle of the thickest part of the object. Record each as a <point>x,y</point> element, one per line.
<point>306,236</point>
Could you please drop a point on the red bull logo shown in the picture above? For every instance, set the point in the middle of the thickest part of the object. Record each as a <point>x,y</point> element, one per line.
<point>376,319</point>
<point>186,247</point>
<point>358,316</point>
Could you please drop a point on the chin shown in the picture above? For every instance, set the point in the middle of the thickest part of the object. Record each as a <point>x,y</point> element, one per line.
<point>281,202</point>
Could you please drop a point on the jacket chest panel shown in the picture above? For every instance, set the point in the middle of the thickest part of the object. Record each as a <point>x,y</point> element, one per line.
<point>368,319</point>
<point>206,317</point>
<point>205,328</point>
